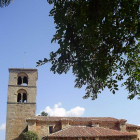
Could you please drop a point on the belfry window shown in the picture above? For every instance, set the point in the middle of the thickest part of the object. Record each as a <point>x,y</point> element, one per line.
<point>25,80</point>
<point>22,79</point>
<point>22,96</point>
<point>19,97</point>
<point>19,82</point>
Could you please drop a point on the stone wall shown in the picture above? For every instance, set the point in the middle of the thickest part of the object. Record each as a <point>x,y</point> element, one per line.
<point>110,125</point>
<point>134,130</point>
<point>18,112</point>
<point>138,134</point>
<point>13,90</point>
<point>32,126</point>
<point>32,76</point>
<point>131,129</point>
<point>16,119</point>
<point>80,123</point>
<point>42,128</point>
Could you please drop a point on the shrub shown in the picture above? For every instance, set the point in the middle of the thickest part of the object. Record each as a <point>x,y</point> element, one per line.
<point>30,136</point>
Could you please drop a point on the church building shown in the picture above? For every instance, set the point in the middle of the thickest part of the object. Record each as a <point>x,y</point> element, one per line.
<point>21,116</point>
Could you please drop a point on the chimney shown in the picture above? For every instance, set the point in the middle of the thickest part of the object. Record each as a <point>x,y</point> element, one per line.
<point>122,125</point>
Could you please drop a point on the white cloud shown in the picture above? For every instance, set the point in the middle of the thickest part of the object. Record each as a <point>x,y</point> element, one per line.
<point>59,111</point>
<point>139,125</point>
<point>3,126</point>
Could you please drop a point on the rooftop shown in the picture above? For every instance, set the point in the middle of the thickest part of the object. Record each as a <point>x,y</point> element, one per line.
<point>75,119</point>
<point>83,131</point>
<point>132,125</point>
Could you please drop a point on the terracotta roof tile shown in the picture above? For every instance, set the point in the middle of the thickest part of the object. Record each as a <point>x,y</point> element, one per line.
<point>83,131</point>
<point>132,125</point>
<point>74,119</point>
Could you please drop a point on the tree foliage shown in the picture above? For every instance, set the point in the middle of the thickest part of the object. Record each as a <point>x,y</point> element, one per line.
<point>43,113</point>
<point>4,3</point>
<point>30,136</point>
<point>99,40</point>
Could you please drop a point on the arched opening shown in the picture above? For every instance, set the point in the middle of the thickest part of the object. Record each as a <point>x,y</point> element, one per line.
<point>22,79</point>
<point>19,82</point>
<point>25,80</point>
<point>24,98</point>
<point>19,98</point>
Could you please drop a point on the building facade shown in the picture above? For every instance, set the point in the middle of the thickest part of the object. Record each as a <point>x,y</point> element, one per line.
<point>82,128</point>
<point>21,116</point>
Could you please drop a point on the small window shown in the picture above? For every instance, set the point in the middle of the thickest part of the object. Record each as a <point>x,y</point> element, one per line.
<point>19,82</point>
<point>50,129</point>
<point>19,98</point>
<point>24,98</point>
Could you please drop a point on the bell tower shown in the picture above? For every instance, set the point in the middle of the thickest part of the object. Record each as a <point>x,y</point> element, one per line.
<point>21,101</point>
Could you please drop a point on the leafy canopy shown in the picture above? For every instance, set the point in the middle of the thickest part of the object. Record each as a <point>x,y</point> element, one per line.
<point>43,113</point>
<point>30,136</point>
<point>99,40</point>
<point>5,3</point>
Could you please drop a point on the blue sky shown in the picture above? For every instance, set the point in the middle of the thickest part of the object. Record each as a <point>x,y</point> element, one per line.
<point>25,26</point>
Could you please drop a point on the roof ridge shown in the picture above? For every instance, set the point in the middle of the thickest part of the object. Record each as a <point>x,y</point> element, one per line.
<point>132,124</point>
<point>75,117</point>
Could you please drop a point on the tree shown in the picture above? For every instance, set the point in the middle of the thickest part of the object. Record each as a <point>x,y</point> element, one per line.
<point>30,136</point>
<point>100,41</point>
<point>43,113</point>
<point>4,3</point>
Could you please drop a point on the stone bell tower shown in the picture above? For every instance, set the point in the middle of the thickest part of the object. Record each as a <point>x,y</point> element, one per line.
<point>21,101</point>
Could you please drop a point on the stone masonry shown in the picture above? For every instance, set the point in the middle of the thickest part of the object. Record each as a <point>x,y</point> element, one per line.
<point>18,112</point>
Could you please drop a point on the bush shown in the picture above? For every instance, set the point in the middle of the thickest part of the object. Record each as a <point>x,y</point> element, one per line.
<point>30,136</point>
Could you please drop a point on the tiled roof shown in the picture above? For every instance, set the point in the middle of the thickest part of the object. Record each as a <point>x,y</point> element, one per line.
<point>132,125</point>
<point>83,131</point>
<point>75,119</point>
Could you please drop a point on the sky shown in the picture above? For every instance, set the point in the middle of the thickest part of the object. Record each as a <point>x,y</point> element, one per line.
<point>25,26</point>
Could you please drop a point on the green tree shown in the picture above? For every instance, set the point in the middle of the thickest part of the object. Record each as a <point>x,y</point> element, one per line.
<point>43,113</point>
<point>99,40</point>
<point>4,3</point>
<point>30,136</point>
